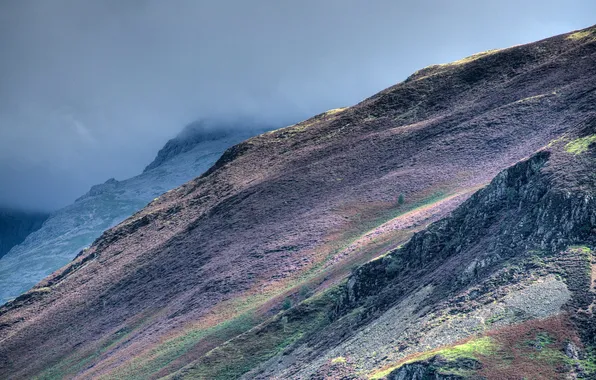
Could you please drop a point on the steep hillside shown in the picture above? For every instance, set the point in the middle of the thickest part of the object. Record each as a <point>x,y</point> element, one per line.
<point>76,226</point>
<point>500,289</point>
<point>243,270</point>
<point>16,225</point>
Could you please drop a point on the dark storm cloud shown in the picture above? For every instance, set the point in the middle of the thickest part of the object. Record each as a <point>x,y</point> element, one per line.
<point>91,89</point>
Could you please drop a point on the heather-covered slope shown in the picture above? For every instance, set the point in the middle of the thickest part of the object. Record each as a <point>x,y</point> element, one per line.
<point>16,225</point>
<point>501,289</point>
<point>285,215</point>
<point>76,226</point>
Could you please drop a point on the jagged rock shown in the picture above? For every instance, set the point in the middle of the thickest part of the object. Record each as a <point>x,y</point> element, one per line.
<point>435,368</point>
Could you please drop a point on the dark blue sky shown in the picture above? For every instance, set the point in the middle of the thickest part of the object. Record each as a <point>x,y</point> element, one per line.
<point>91,90</point>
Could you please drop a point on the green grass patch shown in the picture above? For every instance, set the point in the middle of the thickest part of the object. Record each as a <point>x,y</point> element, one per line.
<point>472,349</point>
<point>579,146</point>
<point>76,362</point>
<point>334,111</point>
<point>588,363</point>
<point>154,360</point>
<point>472,57</point>
<point>338,360</point>
<point>582,248</point>
<point>583,34</point>
<point>244,352</point>
<point>42,290</point>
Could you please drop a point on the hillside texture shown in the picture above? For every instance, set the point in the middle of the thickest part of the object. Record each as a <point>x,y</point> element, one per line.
<point>364,242</point>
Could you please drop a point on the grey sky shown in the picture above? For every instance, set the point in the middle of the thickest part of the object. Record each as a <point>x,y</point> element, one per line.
<point>92,89</point>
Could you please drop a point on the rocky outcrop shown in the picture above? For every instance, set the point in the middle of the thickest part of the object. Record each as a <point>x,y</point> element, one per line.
<point>107,187</point>
<point>522,209</point>
<point>435,368</point>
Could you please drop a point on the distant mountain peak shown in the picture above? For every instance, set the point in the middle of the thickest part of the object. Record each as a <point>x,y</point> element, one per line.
<point>72,228</point>
<point>197,132</point>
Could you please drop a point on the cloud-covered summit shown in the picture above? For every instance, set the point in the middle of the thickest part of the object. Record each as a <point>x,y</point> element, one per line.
<point>92,90</point>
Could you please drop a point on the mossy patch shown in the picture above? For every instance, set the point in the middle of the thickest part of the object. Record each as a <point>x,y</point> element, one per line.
<point>472,57</point>
<point>583,34</point>
<point>473,349</point>
<point>581,248</point>
<point>42,290</point>
<point>581,145</point>
<point>339,359</point>
<point>533,350</point>
<point>334,111</point>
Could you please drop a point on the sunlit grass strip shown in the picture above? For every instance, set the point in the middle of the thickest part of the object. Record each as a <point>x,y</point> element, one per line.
<point>230,322</point>
<point>244,352</point>
<point>472,349</point>
<point>579,146</point>
<point>238,315</point>
<point>335,110</point>
<point>164,354</point>
<point>582,34</point>
<point>76,362</point>
<point>472,57</point>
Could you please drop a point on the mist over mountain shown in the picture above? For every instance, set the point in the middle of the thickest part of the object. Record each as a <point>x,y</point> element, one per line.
<point>91,90</point>
<point>33,251</point>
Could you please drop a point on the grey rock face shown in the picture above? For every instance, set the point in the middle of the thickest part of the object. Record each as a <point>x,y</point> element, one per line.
<point>521,209</point>
<point>435,368</point>
<point>572,351</point>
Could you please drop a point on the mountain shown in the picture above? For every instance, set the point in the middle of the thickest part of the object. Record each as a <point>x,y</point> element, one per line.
<point>69,230</point>
<point>200,131</point>
<point>15,225</point>
<point>499,289</point>
<point>442,228</point>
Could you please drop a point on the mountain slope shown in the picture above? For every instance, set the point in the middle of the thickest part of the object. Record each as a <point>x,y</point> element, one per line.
<point>517,250</point>
<point>285,215</point>
<point>76,226</point>
<point>16,225</point>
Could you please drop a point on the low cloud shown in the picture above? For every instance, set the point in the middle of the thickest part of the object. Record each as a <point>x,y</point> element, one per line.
<point>91,90</point>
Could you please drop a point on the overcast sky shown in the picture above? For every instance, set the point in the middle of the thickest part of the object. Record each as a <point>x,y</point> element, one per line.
<point>92,89</point>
